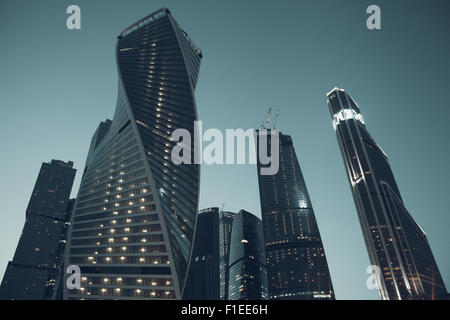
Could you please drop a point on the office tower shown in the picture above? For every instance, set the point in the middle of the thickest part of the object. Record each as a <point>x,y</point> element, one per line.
<point>35,271</point>
<point>57,282</point>
<point>208,269</point>
<point>297,268</point>
<point>395,242</point>
<point>226,219</point>
<point>135,213</point>
<point>247,272</point>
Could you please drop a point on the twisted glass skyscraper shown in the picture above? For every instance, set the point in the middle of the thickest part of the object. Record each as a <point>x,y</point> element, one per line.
<point>398,248</point>
<point>135,214</point>
<point>296,264</point>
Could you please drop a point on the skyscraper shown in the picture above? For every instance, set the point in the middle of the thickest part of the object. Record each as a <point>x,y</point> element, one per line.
<point>397,246</point>
<point>208,270</point>
<point>296,264</point>
<point>135,212</point>
<point>247,272</point>
<point>57,282</point>
<point>35,271</point>
<point>225,226</point>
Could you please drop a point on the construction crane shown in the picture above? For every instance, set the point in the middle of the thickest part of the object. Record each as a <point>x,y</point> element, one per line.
<point>276,119</point>
<point>266,124</point>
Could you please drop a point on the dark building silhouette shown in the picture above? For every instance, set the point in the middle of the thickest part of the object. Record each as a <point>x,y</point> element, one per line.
<point>395,242</point>
<point>135,213</point>
<point>208,268</point>
<point>296,264</point>
<point>35,271</point>
<point>247,272</point>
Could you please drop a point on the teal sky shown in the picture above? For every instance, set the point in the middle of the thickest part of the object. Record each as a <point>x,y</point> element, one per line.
<point>56,85</point>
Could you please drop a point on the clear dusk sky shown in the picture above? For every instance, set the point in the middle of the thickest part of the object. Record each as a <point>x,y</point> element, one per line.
<point>56,85</point>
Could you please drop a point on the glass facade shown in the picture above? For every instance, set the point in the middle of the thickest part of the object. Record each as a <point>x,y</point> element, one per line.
<point>395,242</point>
<point>247,272</point>
<point>296,264</point>
<point>226,219</point>
<point>36,269</point>
<point>135,213</point>
<point>208,269</point>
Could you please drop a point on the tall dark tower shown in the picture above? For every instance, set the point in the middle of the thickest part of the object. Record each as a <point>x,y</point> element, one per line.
<point>296,264</point>
<point>395,242</point>
<point>135,213</point>
<point>35,271</point>
<point>208,269</point>
<point>247,272</point>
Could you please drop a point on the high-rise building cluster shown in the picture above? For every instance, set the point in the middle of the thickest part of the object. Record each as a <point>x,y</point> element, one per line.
<point>134,230</point>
